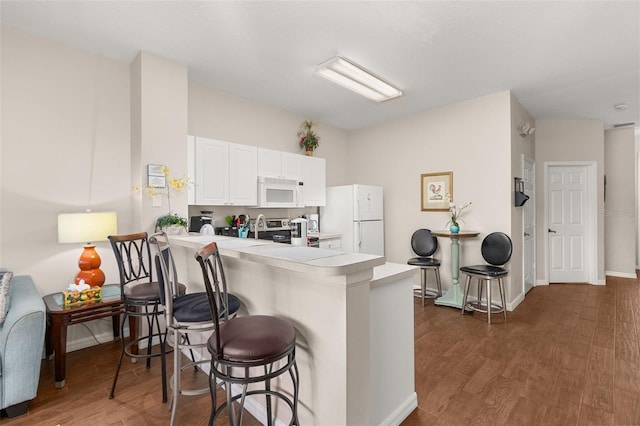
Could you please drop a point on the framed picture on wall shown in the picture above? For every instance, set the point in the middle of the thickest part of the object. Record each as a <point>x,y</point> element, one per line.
<point>434,188</point>
<point>156,176</point>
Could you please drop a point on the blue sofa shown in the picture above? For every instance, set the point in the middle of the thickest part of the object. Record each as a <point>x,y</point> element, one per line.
<point>21,345</point>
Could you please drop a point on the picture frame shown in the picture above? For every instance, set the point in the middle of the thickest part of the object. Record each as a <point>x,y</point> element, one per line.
<point>156,176</point>
<point>434,188</point>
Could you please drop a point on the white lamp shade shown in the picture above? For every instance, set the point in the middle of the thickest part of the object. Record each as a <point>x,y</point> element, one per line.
<point>86,227</point>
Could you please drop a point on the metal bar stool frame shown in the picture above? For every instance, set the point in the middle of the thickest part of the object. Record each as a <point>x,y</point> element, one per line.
<point>141,297</point>
<point>232,369</point>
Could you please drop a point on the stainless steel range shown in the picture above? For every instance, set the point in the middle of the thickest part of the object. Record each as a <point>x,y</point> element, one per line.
<point>278,230</point>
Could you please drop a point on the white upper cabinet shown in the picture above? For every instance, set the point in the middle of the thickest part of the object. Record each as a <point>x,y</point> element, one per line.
<point>243,176</point>
<point>315,181</point>
<point>278,164</point>
<point>224,173</point>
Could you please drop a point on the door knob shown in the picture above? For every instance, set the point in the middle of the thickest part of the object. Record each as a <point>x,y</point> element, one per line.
<point>551,230</point>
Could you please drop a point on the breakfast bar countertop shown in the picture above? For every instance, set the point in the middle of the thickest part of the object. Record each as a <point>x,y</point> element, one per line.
<point>323,262</point>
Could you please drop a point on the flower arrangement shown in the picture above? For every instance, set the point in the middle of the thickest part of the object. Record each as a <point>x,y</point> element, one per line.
<point>456,211</point>
<point>172,184</point>
<point>309,139</point>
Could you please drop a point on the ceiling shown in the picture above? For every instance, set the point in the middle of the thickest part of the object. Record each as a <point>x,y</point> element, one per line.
<point>562,60</point>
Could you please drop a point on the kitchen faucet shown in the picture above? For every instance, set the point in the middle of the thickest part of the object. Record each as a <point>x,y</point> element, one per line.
<point>264,221</point>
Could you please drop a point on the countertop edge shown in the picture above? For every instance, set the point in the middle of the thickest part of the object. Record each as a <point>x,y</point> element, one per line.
<point>391,272</point>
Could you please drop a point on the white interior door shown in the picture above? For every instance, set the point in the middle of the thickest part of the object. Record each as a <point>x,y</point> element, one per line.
<point>529,225</point>
<point>568,223</point>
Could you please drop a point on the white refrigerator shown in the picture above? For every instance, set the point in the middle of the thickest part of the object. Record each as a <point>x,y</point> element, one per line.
<point>355,212</point>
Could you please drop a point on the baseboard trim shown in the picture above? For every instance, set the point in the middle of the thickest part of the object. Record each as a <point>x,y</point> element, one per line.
<point>541,282</point>
<point>517,301</point>
<point>621,274</point>
<point>402,412</point>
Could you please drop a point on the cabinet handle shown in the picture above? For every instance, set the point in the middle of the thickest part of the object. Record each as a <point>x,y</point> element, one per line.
<point>551,231</point>
<point>526,234</point>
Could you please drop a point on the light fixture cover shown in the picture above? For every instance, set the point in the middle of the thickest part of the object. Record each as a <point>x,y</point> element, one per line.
<point>352,76</point>
<point>86,227</point>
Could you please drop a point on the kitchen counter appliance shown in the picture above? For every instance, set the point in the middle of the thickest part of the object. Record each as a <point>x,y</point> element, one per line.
<point>197,222</point>
<point>278,230</point>
<point>355,212</point>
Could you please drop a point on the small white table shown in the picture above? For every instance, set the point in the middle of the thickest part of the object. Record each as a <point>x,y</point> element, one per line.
<point>453,297</point>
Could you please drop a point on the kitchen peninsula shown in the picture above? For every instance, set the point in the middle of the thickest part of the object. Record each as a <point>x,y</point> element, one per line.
<point>353,314</point>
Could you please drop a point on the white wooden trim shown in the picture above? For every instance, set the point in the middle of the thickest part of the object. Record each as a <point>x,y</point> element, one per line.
<point>620,274</point>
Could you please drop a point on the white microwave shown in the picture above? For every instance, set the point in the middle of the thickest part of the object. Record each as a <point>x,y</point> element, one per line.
<point>282,193</point>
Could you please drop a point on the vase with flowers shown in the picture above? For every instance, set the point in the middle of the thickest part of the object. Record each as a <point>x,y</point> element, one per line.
<point>309,139</point>
<point>171,223</point>
<point>455,212</point>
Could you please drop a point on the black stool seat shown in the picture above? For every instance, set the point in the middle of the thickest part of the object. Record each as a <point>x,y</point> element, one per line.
<point>424,261</point>
<point>146,292</point>
<point>485,270</point>
<point>252,338</point>
<point>194,307</point>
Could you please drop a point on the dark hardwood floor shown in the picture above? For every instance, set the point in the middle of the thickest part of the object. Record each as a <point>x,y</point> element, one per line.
<point>568,355</point>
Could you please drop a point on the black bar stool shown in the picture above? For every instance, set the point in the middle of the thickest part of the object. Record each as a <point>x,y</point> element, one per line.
<point>496,250</point>
<point>425,244</point>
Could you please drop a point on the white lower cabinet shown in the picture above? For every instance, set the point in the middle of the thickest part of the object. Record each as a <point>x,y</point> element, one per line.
<point>331,243</point>
<point>225,173</point>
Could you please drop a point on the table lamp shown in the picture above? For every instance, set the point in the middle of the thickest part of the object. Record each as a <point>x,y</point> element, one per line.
<point>87,228</point>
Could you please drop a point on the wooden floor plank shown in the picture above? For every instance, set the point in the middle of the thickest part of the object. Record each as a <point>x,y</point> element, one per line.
<point>568,355</point>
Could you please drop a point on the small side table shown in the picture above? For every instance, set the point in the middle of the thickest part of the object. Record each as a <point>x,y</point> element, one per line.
<point>59,317</point>
<point>453,297</point>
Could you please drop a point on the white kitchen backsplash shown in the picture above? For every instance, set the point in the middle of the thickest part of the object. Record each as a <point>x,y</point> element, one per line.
<point>221,212</point>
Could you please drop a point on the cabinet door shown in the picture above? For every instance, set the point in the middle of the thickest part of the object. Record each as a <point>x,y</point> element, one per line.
<point>331,244</point>
<point>243,175</point>
<point>269,163</point>
<point>292,166</point>
<point>315,181</point>
<point>211,172</point>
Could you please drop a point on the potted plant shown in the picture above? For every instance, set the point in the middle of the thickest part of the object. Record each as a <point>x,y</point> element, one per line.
<point>171,223</point>
<point>309,139</point>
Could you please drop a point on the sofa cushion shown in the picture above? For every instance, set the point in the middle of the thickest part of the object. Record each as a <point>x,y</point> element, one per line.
<point>5,282</point>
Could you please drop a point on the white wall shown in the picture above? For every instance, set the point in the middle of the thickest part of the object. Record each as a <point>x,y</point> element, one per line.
<point>472,139</point>
<point>568,141</point>
<point>620,214</point>
<point>65,147</point>
<point>159,129</point>
<point>520,146</point>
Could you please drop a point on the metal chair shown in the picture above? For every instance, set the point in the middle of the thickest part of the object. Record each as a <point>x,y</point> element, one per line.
<point>185,315</point>
<point>496,250</point>
<point>247,349</point>
<point>141,298</point>
<point>424,244</point>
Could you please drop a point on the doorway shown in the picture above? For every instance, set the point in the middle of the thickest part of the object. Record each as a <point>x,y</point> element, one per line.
<point>570,190</point>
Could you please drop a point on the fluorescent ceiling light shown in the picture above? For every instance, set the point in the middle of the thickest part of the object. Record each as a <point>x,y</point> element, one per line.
<point>353,77</point>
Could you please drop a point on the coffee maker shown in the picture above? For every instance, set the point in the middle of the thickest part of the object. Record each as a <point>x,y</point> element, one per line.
<point>312,225</point>
<point>299,232</point>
